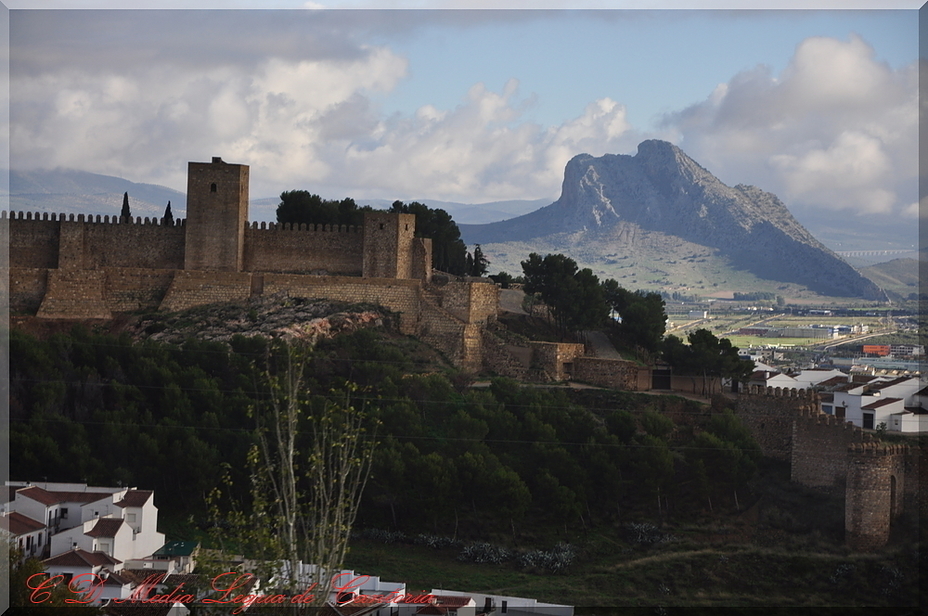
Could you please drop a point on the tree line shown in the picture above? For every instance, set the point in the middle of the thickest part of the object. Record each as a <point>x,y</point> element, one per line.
<point>106,410</point>
<point>579,301</point>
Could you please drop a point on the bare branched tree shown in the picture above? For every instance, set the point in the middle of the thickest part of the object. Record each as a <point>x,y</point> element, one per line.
<point>314,460</point>
<point>308,469</point>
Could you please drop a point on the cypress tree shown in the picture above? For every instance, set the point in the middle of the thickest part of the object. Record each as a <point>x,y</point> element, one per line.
<point>168,219</point>
<point>124,215</point>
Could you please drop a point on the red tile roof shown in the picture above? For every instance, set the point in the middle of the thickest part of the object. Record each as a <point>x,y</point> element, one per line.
<point>135,498</point>
<point>832,382</point>
<point>18,524</point>
<point>115,579</point>
<point>47,497</point>
<point>881,402</point>
<point>105,527</point>
<point>81,558</point>
<point>452,601</point>
<point>885,384</point>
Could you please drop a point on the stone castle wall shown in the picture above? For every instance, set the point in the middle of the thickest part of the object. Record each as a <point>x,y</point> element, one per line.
<point>324,249</point>
<point>819,449</point>
<point>80,242</point>
<point>769,414</point>
<point>613,373</point>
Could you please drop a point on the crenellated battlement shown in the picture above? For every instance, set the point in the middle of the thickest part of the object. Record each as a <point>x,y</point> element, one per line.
<point>876,448</point>
<point>287,226</point>
<point>779,392</point>
<point>89,218</point>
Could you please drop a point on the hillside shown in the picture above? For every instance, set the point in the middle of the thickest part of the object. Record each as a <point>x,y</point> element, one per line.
<point>657,215</point>
<point>899,276</point>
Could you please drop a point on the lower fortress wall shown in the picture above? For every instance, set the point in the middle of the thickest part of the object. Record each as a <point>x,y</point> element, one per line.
<point>614,373</point>
<point>98,294</point>
<point>879,481</point>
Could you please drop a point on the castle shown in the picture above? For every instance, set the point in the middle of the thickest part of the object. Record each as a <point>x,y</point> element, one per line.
<point>85,267</point>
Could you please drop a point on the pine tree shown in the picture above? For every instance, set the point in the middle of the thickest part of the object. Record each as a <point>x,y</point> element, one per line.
<point>168,219</point>
<point>125,215</point>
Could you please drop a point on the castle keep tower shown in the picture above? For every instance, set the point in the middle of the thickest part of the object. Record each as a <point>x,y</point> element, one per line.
<point>388,245</point>
<point>217,210</point>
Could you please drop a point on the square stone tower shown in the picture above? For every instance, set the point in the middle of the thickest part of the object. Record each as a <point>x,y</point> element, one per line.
<point>217,211</point>
<point>388,245</point>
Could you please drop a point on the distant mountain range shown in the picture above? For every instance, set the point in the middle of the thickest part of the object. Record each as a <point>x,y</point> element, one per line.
<point>661,207</point>
<point>79,192</point>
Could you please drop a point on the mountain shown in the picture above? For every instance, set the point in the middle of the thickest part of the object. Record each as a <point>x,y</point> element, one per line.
<point>662,201</point>
<point>67,191</point>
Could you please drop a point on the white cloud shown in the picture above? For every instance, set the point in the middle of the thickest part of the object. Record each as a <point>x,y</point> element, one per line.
<point>836,130</point>
<point>482,147</point>
<point>147,122</point>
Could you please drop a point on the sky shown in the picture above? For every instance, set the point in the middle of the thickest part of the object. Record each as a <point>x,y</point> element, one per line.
<point>436,102</point>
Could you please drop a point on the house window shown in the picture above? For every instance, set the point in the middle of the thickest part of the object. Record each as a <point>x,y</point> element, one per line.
<point>64,513</point>
<point>868,421</point>
<point>212,187</point>
<point>828,409</point>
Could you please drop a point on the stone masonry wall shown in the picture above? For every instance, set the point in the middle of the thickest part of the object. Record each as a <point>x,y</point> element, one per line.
<point>75,294</point>
<point>614,373</point>
<point>33,242</point>
<point>143,244</point>
<point>400,296</point>
<point>551,357</point>
<point>769,416</point>
<point>819,449</point>
<point>323,249</point>
<point>132,289</point>
<point>504,359</point>
<point>197,288</point>
<point>27,288</point>
<point>484,301</point>
<point>874,493</point>
<point>94,242</point>
<point>445,331</point>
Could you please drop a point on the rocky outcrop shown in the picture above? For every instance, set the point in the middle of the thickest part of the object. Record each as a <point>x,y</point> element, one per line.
<point>663,190</point>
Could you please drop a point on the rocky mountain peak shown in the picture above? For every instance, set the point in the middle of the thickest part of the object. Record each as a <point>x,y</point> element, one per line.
<point>662,190</point>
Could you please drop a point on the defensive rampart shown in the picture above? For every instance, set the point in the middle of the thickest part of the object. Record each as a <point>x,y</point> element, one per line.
<point>322,249</point>
<point>878,481</point>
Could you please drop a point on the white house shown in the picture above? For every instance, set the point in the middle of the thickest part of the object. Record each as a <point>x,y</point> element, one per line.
<point>895,402</point>
<point>27,534</point>
<point>89,571</point>
<point>112,536</point>
<point>811,377</point>
<point>121,522</point>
